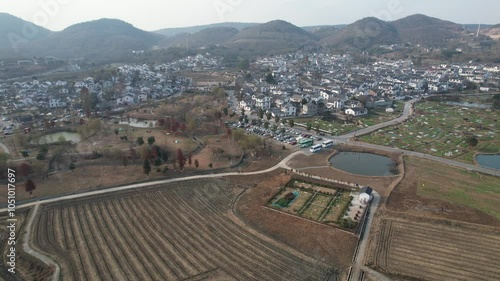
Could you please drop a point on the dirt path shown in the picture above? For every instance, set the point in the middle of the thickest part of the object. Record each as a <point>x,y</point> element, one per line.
<point>27,249</point>
<point>5,148</point>
<point>358,266</point>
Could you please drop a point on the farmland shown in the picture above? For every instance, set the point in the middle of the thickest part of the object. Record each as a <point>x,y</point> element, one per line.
<point>429,187</point>
<point>444,130</point>
<point>339,127</point>
<point>419,250</point>
<point>178,232</point>
<point>313,202</point>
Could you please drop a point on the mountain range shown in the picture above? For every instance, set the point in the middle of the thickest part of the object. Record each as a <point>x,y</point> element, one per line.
<point>111,39</point>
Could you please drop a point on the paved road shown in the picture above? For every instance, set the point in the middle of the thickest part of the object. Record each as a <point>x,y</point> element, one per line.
<point>282,164</point>
<point>5,148</point>
<point>450,162</point>
<point>407,112</point>
<point>27,249</point>
<point>358,266</point>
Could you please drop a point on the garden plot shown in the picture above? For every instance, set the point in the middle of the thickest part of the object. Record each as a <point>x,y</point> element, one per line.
<point>444,131</point>
<point>309,201</point>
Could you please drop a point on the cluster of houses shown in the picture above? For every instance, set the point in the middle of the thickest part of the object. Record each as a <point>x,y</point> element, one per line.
<point>308,83</point>
<point>302,84</point>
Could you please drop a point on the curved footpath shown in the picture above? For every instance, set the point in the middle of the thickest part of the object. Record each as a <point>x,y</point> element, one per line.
<point>282,164</point>
<point>27,249</point>
<point>358,266</point>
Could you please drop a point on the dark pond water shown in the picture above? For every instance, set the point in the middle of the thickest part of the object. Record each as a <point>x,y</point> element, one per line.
<point>489,161</point>
<point>365,164</point>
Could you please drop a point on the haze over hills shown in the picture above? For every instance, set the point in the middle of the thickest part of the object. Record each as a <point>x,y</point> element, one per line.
<point>110,39</point>
<point>170,32</point>
<point>99,39</point>
<point>18,30</point>
<point>272,36</point>
<point>206,37</point>
<point>363,34</point>
<point>426,30</point>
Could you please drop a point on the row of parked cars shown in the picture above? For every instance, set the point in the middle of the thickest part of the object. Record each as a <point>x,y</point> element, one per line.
<point>282,134</point>
<point>8,130</point>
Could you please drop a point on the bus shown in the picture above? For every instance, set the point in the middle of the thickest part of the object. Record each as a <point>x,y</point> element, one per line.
<point>305,142</point>
<point>327,143</point>
<point>315,148</point>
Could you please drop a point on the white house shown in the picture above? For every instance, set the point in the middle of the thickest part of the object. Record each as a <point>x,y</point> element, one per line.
<point>54,103</point>
<point>365,194</point>
<point>310,109</point>
<point>262,101</point>
<point>289,110</point>
<point>142,97</point>
<point>246,104</point>
<point>125,99</point>
<point>335,103</point>
<point>356,111</point>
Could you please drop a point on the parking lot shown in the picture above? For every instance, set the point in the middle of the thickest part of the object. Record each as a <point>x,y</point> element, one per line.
<point>279,134</point>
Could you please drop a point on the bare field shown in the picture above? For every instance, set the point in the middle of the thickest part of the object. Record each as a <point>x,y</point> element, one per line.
<point>178,232</point>
<point>27,267</point>
<point>407,249</point>
<point>322,242</point>
<point>432,189</point>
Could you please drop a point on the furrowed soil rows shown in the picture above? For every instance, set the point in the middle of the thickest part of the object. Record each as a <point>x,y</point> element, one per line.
<point>176,232</point>
<point>268,255</point>
<point>436,252</point>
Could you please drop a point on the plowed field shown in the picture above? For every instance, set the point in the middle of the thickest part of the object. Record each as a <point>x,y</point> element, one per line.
<point>178,232</point>
<point>435,252</point>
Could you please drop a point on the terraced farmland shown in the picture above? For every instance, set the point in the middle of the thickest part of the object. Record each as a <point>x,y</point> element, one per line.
<point>435,252</point>
<point>179,232</point>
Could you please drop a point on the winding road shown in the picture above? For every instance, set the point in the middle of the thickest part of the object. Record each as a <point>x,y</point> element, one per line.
<point>357,267</point>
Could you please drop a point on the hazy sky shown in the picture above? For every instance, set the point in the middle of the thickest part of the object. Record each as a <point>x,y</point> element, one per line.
<point>157,14</point>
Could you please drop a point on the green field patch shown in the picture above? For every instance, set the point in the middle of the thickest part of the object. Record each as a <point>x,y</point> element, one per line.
<point>310,201</point>
<point>457,186</point>
<point>443,130</point>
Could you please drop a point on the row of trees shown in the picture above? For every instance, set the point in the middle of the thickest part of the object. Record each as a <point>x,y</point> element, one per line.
<point>180,161</point>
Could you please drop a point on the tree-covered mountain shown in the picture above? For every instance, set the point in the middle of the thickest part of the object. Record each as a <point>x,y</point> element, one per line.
<point>273,36</point>
<point>363,34</point>
<point>16,32</point>
<point>99,40</point>
<point>171,32</point>
<point>421,29</point>
<point>206,37</point>
<point>111,39</point>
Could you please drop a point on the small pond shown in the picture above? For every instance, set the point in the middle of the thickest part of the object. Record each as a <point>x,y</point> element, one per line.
<point>365,164</point>
<point>469,104</point>
<point>489,161</point>
<point>133,122</point>
<point>61,136</point>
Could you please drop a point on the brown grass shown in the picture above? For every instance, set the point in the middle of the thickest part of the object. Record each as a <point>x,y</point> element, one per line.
<point>320,242</point>
<point>410,196</point>
<point>416,248</point>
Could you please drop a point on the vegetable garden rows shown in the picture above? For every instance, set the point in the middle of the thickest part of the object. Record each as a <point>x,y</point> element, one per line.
<point>175,233</point>
<point>435,252</point>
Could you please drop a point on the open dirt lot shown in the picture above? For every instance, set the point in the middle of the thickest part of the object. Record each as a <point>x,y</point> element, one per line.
<point>324,243</point>
<point>416,249</point>
<point>177,232</point>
